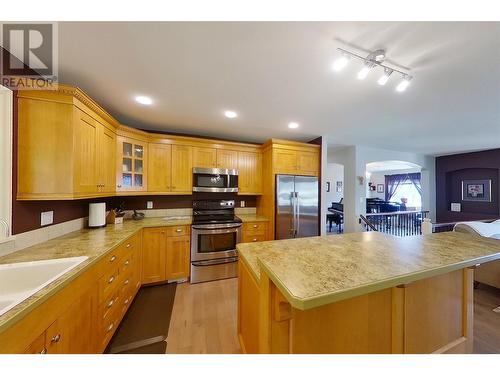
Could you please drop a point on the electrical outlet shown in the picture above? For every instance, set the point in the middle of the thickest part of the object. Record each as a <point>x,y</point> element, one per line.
<point>46,218</point>
<point>242,203</point>
<point>149,205</point>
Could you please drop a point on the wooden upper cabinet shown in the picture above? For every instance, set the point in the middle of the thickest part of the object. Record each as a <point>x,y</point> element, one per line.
<point>106,159</point>
<point>182,169</point>
<point>159,167</point>
<point>285,161</point>
<point>204,157</point>
<point>154,247</point>
<point>250,173</point>
<point>308,163</point>
<point>86,165</point>
<point>227,159</point>
<point>131,164</point>
<point>178,257</point>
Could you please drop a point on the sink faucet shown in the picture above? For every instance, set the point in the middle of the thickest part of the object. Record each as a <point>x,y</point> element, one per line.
<point>6,226</point>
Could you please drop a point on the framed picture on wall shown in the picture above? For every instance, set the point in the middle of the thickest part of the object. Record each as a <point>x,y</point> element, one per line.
<point>476,190</point>
<point>380,188</point>
<point>339,186</point>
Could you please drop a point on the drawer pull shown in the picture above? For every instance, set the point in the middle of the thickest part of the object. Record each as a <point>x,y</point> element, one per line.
<point>112,259</point>
<point>254,240</point>
<point>178,230</point>
<point>255,225</point>
<point>128,245</point>
<point>110,327</point>
<point>111,279</point>
<point>110,303</point>
<point>126,282</point>
<point>125,302</point>
<point>127,262</point>
<point>44,351</point>
<point>56,338</point>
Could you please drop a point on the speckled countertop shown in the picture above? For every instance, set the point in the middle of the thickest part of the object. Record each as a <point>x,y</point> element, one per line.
<point>93,243</point>
<point>248,218</point>
<point>316,271</point>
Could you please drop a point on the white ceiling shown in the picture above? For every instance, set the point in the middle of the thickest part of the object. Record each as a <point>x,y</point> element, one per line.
<point>274,73</point>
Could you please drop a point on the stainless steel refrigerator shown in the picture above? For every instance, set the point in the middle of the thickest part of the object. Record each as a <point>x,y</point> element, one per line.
<point>297,206</point>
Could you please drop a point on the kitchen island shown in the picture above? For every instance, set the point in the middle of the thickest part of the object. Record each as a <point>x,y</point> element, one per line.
<point>360,293</point>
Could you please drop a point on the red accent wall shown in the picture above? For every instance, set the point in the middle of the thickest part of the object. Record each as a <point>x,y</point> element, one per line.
<point>451,170</point>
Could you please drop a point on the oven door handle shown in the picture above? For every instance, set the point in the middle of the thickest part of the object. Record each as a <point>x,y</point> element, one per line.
<point>216,226</point>
<point>214,262</point>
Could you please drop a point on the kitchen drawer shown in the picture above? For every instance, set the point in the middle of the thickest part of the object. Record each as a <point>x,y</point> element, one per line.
<point>182,230</point>
<point>256,226</point>
<point>108,326</point>
<point>109,306</point>
<point>254,237</point>
<point>109,283</point>
<point>128,262</point>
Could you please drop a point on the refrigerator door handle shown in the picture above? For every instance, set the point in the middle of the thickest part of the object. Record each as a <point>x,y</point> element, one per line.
<point>292,224</point>
<point>297,222</point>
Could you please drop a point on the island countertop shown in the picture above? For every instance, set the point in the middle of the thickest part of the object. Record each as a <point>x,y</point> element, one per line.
<point>316,271</point>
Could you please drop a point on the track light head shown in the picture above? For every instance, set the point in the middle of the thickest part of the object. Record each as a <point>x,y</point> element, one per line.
<point>403,85</point>
<point>341,62</point>
<point>383,80</point>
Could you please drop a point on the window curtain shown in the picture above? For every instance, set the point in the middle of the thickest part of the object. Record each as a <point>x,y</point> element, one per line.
<point>416,181</point>
<point>393,181</point>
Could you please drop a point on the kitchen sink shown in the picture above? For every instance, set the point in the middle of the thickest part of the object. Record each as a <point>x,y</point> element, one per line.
<point>18,281</point>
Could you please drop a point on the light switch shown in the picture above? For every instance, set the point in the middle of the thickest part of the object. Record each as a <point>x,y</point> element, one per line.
<point>149,205</point>
<point>46,218</point>
<point>242,203</point>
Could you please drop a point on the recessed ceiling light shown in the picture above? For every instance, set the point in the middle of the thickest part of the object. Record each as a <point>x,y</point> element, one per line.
<point>146,100</point>
<point>293,125</point>
<point>230,114</point>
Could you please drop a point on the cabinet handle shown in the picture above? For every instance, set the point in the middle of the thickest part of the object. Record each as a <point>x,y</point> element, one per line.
<point>125,302</point>
<point>128,245</point>
<point>127,262</point>
<point>110,303</point>
<point>112,259</point>
<point>163,232</point>
<point>255,225</point>
<point>178,230</point>
<point>126,282</point>
<point>56,338</point>
<point>254,240</point>
<point>44,351</point>
<point>110,327</point>
<point>111,279</point>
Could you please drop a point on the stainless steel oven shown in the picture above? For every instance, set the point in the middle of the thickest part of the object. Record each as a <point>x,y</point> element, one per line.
<point>214,234</point>
<point>215,180</point>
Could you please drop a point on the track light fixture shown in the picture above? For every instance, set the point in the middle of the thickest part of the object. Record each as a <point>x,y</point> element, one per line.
<point>373,60</point>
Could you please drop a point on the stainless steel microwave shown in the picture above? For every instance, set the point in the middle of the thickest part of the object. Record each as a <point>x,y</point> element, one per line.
<point>215,180</point>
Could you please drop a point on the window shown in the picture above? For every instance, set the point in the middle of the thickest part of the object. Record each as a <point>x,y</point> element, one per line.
<point>5,162</point>
<point>408,190</point>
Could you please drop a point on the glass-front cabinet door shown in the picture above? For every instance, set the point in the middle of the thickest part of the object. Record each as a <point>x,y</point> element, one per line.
<point>131,173</point>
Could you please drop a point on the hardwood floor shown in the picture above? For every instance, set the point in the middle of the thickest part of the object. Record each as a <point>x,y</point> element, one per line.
<point>204,318</point>
<point>486,322</point>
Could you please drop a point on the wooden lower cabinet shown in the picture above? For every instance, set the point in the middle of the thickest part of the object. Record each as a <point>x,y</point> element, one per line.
<point>37,346</point>
<point>154,253</point>
<point>254,231</point>
<point>433,315</point>
<point>178,257</point>
<point>166,254</point>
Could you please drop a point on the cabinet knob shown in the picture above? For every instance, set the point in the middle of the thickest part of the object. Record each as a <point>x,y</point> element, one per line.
<point>128,245</point>
<point>44,351</point>
<point>111,279</point>
<point>110,327</point>
<point>254,240</point>
<point>126,282</point>
<point>127,262</point>
<point>110,303</point>
<point>178,230</point>
<point>56,338</point>
<point>255,225</point>
<point>125,302</point>
<point>112,259</point>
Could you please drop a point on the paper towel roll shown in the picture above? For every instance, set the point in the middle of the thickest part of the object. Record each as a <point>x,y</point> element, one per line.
<point>97,215</point>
